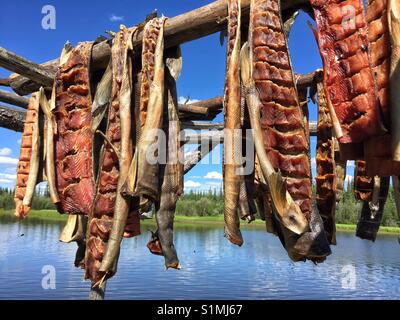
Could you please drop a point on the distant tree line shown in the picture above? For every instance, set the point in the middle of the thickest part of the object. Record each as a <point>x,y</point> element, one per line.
<point>41,200</point>
<point>210,203</point>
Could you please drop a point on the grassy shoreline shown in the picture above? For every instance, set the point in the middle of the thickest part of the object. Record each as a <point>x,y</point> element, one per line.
<point>53,216</point>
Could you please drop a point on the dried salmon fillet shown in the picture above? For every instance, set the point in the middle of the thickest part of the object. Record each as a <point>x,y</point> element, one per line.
<point>73,137</point>
<point>232,125</point>
<point>142,179</point>
<point>29,160</point>
<point>171,173</point>
<point>326,168</point>
<point>288,211</point>
<point>378,150</point>
<point>282,120</point>
<point>348,79</point>
<point>109,206</point>
<point>393,11</point>
<point>274,95</point>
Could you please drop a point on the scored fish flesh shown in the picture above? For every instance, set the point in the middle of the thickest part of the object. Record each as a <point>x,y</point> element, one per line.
<point>73,137</point>
<point>348,79</point>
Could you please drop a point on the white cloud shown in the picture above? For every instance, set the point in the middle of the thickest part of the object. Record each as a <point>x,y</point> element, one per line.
<point>213,175</point>
<point>6,180</point>
<point>8,176</point>
<point>115,18</point>
<point>351,163</point>
<point>19,141</point>
<point>12,169</point>
<point>8,160</point>
<point>192,184</point>
<point>214,184</point>
<point>5,151</point>
<point>195,177</point>
<point>313,162</point>
<point>182,100</point>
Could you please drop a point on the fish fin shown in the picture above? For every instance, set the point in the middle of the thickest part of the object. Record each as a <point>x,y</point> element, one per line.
<point>67,233</point>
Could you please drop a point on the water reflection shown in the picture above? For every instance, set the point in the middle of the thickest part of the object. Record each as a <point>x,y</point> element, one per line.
<point>212,267</point>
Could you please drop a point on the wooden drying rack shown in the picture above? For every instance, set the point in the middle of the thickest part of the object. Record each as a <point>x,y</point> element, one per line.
<point>189,26</point>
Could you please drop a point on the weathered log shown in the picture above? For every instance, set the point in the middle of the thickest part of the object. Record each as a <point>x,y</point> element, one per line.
<point>198,137</point>
<point>189,108</point>
<point>186,27</point>
<point>5,82</point>
<point>14,99</point>
<point>306,80</point>
<point>24,85</point>
<point>22,66</point>
<point>202,125</point>
<point>11,118</point>
<point>211,104</point>
<point>194,157</point>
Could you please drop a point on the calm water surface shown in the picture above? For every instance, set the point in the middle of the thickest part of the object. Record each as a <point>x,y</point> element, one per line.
<point>212,267</point>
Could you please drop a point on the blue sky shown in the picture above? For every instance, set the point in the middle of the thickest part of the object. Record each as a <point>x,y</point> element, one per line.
<point>203,60</point>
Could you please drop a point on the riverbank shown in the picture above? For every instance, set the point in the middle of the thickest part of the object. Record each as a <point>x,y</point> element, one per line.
<point>53,216</point>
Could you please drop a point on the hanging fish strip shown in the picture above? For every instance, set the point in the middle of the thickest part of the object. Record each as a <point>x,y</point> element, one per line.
<point>171,175</point>
<point>105,205</point>
<point>29,160</point>
<point>143,177</point>
<point>340,172</point>
<point>378,151</point>
<point>325,161</point>
<point>231,168</point>
<point>73,139</point>
<point>348,79</point>
<point>393,11</point>
<point>284,133</point>
<point>378,36</point>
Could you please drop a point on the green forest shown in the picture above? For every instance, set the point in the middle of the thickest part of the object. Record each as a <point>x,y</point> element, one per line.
<point>210,203</point>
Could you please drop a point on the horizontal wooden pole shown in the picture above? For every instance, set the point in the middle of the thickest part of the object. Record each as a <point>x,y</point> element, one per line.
<point>186,116</point>
<point>203,107</point>
<point>211,130</point>
<point>24,67</point>
<point>194,157</point>
<point>12,119</point>
<point>183,28</point>
<point>306,80</point>
<point>24,85</point>
<point>202,125</point>
<point>188,108</point>
<point>5,82</point>
<point>12,98</point>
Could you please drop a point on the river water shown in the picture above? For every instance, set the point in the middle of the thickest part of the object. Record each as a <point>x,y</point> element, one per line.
<point>212,268</point>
